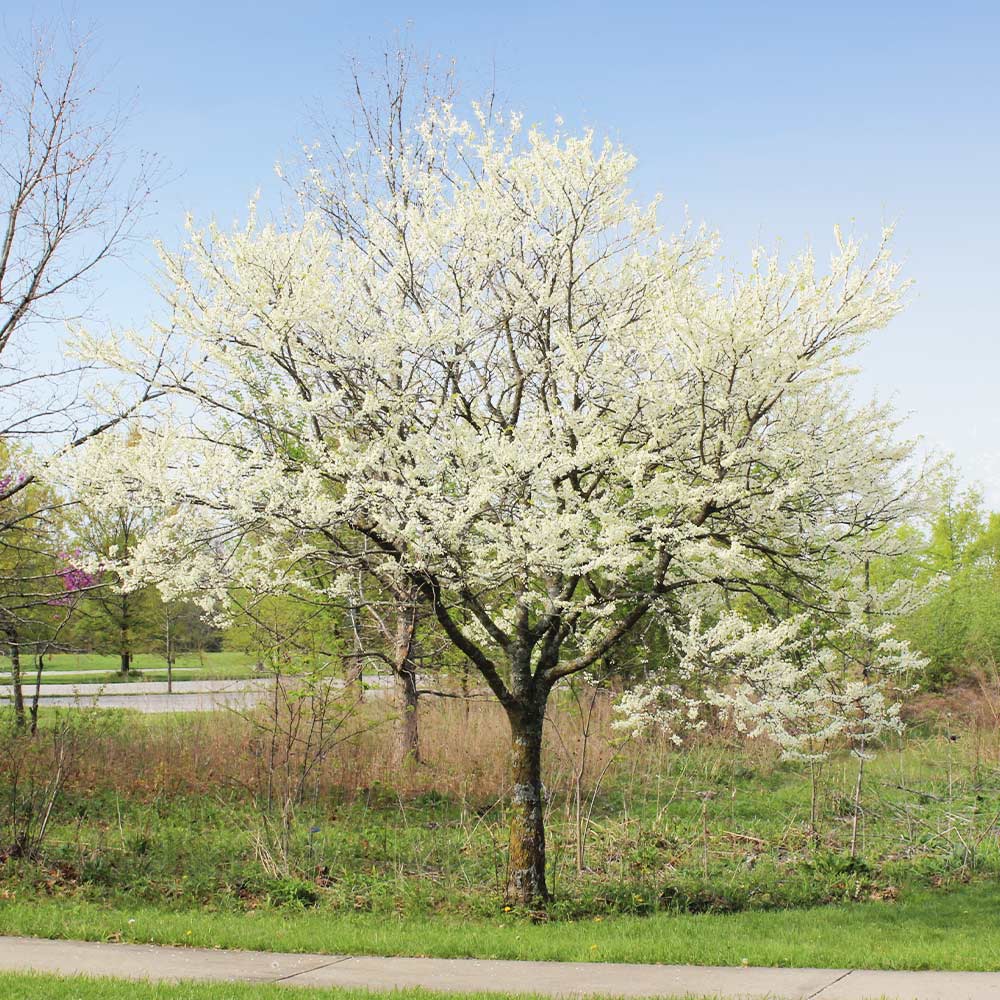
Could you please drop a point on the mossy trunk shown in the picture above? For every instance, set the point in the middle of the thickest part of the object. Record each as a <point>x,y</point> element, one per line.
<point>526,866</point>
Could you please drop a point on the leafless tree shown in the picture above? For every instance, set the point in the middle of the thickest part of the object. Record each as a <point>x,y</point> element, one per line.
<point>70,199</point>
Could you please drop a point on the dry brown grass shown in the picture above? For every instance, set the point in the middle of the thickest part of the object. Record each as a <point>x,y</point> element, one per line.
<point>973,701</point>
<point>464,746</point>
<point>464,749</point>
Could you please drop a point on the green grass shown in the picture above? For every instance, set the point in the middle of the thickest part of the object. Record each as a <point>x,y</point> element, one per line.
<point>182,832</point>
<point>105,661</point>
<point>225,665</point>
<point>15,986</point>
<point>925,929</point>
<point>702,856</point>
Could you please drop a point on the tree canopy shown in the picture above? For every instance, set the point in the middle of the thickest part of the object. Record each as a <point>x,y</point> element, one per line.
<point>490,377</point>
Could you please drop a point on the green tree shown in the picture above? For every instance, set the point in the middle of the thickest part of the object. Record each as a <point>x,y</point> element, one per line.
<point>115,617</point>
<point>960,625</point>
<point>40,585</point>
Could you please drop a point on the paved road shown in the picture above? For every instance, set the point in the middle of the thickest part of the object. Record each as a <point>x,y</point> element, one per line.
<point>5,674</point>
<point>151,696</point>
<point>134,688</point>
<point>155,963</point>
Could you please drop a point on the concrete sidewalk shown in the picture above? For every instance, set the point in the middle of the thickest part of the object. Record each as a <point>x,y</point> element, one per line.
<point>156,963</point>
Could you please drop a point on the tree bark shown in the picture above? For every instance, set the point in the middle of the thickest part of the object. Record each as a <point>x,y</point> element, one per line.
<point>404,669</point>
<point>37,694</point>
<point>354,678</point>
<point>125,647</point>
<point>407,738</point>
<point>14,647</point>
<point>526,884</point>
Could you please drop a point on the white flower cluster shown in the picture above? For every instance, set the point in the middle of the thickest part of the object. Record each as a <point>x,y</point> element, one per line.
<point>806,684</point>
<point>664,707</point>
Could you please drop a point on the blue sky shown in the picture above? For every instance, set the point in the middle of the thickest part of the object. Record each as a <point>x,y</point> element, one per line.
<point>766,121</point>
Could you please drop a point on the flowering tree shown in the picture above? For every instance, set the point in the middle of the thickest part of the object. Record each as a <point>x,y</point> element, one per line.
<point>809,683</point>
<point>513,395</point>
<point>377,149</point>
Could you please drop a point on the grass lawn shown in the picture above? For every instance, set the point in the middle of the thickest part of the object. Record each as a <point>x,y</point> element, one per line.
<point>226,665</point>
<point>14,986</point>
<point>925,929</point>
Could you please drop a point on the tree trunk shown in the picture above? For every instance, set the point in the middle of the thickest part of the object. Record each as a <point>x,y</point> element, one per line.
<point>526,868</point>
<point>465,690</point>
<point>170,654</point>
<point>37,694</point>
<point>15,675</point>
<point>407,735</point>
<point>857,802</point>
<point>354,678</point>
<point>407,738</point>
<point>125,652</point>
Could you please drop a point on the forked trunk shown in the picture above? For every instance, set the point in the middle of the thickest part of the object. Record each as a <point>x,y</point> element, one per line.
<point>526,867</point>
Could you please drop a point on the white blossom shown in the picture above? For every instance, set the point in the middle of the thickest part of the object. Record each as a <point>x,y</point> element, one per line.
<point>494,376</point>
